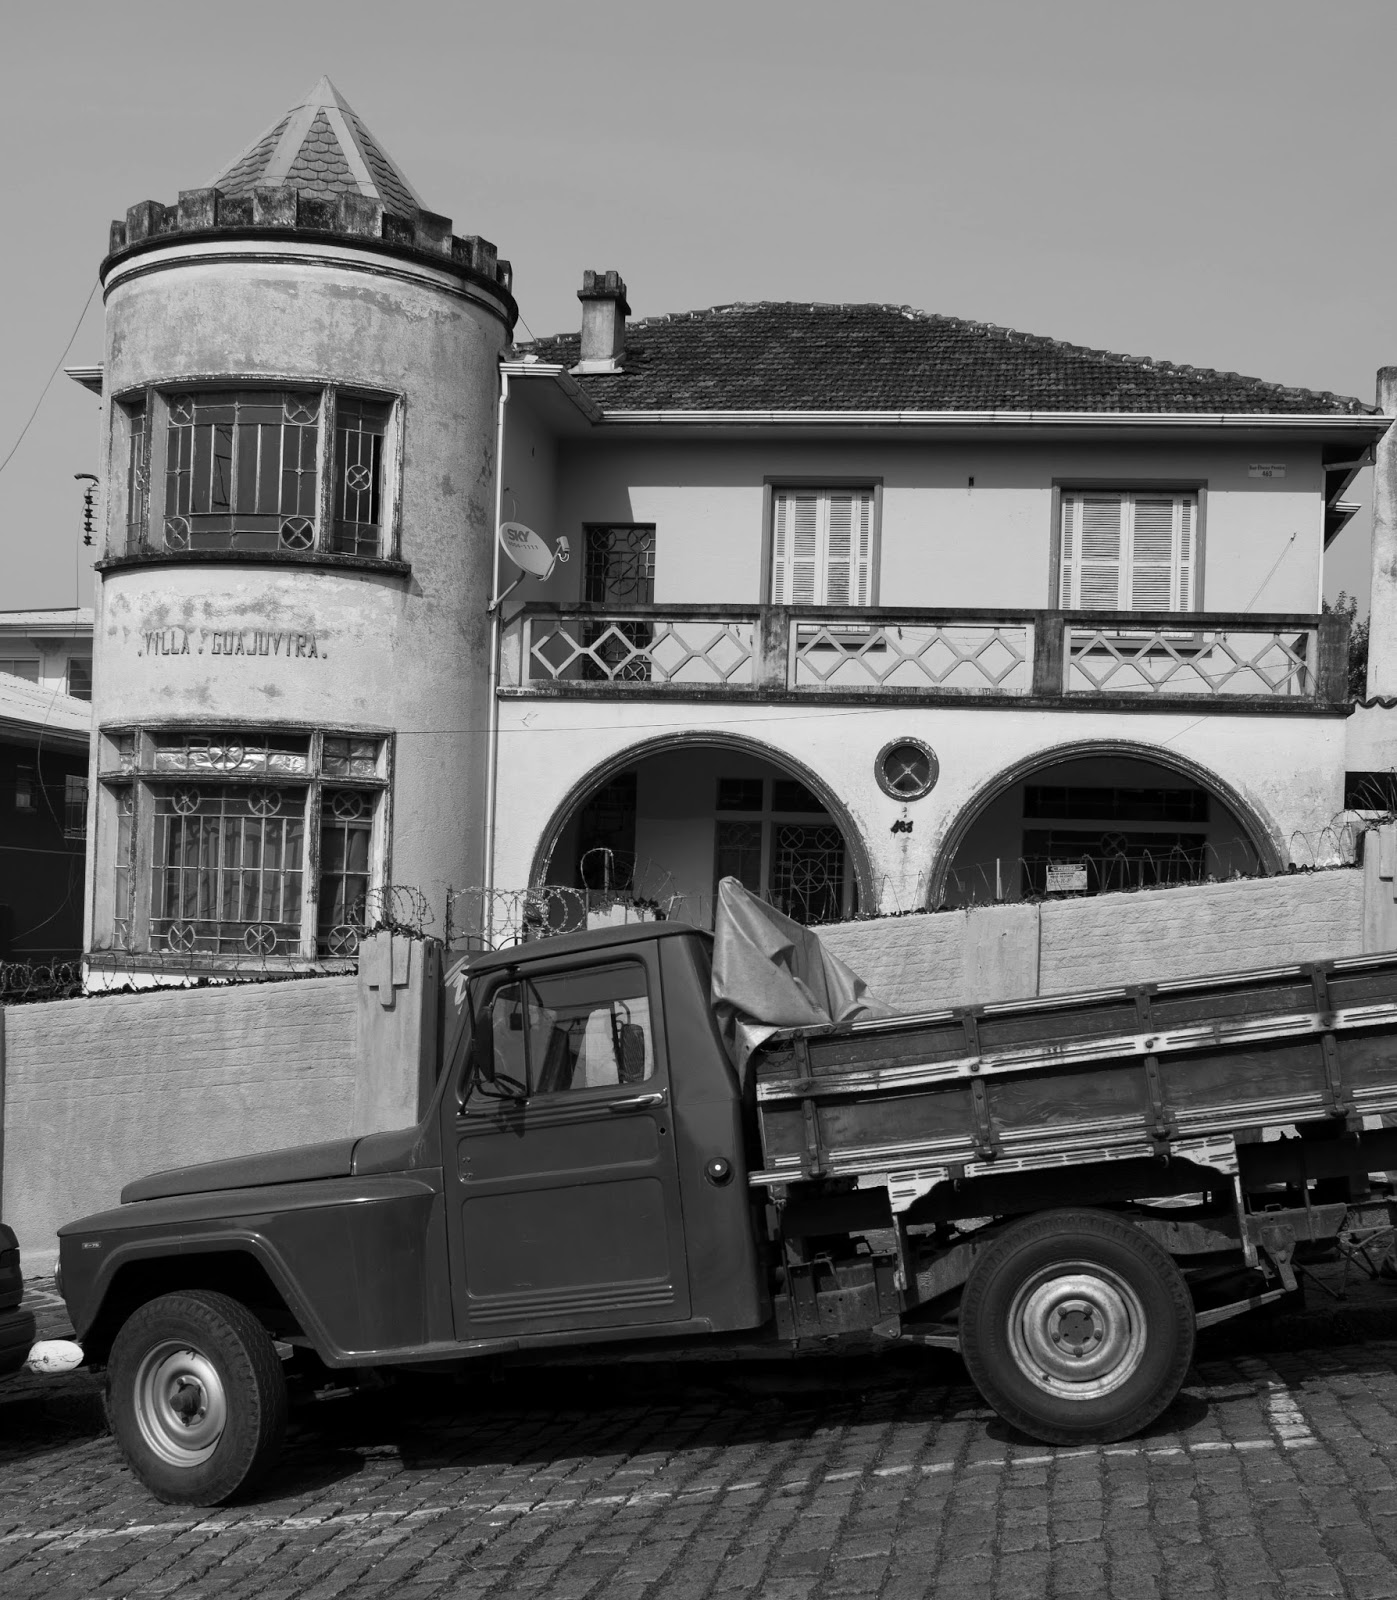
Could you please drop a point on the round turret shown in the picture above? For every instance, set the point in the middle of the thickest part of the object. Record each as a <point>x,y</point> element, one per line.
<point>291,646</point>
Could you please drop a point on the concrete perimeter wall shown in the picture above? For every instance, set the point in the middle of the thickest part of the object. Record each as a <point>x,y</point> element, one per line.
<point>99,1091</point>
<point>1015,952</point>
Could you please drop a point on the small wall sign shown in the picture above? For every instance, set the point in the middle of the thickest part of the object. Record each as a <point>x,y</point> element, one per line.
<point>281,644</point>
<point>1067,877</point>
<point>1266,469</point>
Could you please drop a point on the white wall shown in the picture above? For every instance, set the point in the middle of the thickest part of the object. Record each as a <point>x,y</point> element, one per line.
<point>943,542</point>
<point>1288,769</point>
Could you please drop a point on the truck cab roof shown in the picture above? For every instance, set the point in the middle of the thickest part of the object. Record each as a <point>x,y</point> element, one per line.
<point>572,943</point>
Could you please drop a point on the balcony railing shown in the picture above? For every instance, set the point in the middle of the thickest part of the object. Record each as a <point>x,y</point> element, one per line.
<point>1029,655</point>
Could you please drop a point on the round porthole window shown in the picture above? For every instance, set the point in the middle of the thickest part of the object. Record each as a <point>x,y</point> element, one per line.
<point>907,769</point>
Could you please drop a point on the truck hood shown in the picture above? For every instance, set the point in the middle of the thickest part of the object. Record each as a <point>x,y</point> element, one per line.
<point>299,1164</point>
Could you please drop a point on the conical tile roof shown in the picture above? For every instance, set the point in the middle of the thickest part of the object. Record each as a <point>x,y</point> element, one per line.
<point>321,147</point>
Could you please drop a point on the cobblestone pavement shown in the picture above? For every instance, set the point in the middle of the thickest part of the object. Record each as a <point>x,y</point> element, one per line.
<point>1271,1475</point>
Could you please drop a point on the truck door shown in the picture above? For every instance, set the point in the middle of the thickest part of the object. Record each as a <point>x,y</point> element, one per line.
<point>566,1210</point>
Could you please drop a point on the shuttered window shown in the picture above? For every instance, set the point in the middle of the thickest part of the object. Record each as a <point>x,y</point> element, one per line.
<point>822,547</point>
<point>1125,550</point>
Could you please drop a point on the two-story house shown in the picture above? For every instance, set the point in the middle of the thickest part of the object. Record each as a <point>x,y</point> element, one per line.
<point>868,607</point>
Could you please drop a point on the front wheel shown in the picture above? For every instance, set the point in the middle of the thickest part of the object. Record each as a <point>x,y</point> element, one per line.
<point>196,1397</point>
<point>1076,1327</point>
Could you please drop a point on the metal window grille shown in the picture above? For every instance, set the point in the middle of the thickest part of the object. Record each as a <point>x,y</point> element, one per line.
<point>74,806</point>
<point>738,854</point>
<point>125,838</point>
<point>620,566</point>
<point>619,571</point>
<point>241,471</point>
<point>346,832</point>
<point>137,473</point>
<point>360,429</point>
<point>807,871</point>
<point>227,869</point>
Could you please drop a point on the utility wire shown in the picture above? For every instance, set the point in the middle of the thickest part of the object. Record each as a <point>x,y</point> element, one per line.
<point>52,375</point>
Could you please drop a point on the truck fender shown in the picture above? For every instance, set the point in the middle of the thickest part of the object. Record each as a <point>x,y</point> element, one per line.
<point>109,1303</point>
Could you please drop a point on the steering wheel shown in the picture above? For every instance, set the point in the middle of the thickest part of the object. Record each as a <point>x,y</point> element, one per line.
<point>513,1089</point>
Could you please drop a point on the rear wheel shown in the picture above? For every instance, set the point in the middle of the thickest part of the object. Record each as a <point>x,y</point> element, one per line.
<point>1076,1327</point>
<point>195,1397</point>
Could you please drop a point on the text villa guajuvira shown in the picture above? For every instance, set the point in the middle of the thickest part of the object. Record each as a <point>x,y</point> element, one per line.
<point>234,642</point>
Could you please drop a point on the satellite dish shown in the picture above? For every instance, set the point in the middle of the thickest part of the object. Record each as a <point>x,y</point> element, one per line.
<point>529,553</point>
<point>525,549</point>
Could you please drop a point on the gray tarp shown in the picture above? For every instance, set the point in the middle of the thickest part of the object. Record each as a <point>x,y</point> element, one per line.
<point>770,972</point>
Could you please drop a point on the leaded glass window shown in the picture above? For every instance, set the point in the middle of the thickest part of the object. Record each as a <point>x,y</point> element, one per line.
<point>241,470</point>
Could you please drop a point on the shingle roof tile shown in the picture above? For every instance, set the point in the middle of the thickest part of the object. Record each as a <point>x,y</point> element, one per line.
<point>795,356</point>
<point>322,147</point>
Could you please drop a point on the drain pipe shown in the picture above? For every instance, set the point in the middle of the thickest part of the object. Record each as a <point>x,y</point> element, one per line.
<point>492,754</point>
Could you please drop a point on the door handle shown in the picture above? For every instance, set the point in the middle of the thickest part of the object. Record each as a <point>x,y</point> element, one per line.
<point>638,1102</point>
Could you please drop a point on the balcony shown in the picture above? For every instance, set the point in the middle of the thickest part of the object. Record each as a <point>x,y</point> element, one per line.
<point>1287,662</point>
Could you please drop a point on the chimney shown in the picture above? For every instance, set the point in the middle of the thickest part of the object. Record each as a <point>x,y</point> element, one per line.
<point>604,313</point>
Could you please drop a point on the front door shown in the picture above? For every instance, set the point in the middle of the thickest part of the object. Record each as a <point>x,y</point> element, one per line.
<point>566,1209</point>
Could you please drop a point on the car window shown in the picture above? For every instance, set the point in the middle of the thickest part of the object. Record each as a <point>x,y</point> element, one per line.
<point>591,1029</point>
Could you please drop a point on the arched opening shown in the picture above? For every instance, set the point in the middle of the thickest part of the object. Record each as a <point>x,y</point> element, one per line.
<point>661,824</point>
<point>1090,819</point>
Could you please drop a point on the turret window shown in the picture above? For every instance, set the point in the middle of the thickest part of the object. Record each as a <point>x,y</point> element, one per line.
<point>243,843</point>
<point>266,471</point>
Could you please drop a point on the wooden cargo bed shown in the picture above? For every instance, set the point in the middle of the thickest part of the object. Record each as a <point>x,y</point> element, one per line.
<point>1170,1067</point>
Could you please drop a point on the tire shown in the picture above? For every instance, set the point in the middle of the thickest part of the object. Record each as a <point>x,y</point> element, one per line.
<point>1076,1327</point>
<point>196,1397</point>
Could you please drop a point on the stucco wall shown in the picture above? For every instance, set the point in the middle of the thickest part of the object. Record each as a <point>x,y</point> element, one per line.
<point>1288,770</point>
<point>101,1091</point>
<point>407,654</point>
<point>944,542</point>
<point>1014,952</point>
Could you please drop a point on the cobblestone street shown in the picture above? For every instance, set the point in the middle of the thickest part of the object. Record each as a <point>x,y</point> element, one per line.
<point>1272,1475</point>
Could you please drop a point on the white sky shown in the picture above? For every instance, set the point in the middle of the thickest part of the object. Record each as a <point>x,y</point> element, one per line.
<point>1200,182</point>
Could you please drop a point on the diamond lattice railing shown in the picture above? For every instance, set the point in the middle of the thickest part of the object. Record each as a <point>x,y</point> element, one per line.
<point>1266,662</point>
<point>600,648</point>
<point>848,654</point>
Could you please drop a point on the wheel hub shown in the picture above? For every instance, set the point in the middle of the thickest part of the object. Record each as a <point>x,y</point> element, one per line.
<point>1077,1329</point>
<point>180,1404</point>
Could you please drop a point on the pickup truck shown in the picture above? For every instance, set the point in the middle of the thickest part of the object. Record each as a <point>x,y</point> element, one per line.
<point>1062,1190</point>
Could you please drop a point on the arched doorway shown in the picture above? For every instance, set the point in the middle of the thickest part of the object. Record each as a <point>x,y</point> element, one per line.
<point>663,822</point>
<point>1091,818</point>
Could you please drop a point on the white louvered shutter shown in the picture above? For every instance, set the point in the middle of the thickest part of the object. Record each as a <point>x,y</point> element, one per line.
<point>1093,548</point>
<point>780,549</point>
<point>1153,549</point>
<point>1188,521</point>
<point>1124,551</point>
<point>822,547</point>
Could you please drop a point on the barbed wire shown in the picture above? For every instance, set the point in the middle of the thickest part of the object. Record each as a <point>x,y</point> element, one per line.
<point>23,981</point>
<point>618,887</point>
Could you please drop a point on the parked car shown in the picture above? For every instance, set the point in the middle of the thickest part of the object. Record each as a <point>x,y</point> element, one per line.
<point>16,1325</point>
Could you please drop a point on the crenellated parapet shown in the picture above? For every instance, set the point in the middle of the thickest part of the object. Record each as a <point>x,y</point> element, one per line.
<point>283,211</point>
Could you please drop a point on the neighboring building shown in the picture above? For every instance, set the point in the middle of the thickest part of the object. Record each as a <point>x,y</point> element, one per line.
<point>50,648</point>
<point>44,739</point>
<point>868,607</point>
